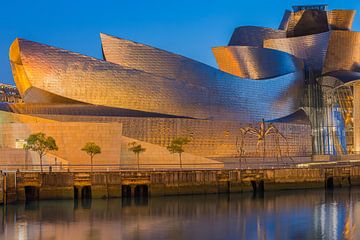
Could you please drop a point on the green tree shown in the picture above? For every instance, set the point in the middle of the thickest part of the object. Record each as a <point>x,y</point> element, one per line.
<point>91,149</point>
<point>40,143</point>
<point>136,149</point>
<point>177,146</point>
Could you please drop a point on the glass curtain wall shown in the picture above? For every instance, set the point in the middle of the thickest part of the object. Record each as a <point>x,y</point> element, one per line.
<point>330,109</point>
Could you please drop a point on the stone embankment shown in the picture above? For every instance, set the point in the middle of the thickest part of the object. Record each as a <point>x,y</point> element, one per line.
<point>21,186</point>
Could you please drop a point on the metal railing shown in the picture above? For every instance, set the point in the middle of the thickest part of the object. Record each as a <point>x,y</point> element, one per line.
<point>108,167</point>
<point>168,167</point>
<point>249,162</point>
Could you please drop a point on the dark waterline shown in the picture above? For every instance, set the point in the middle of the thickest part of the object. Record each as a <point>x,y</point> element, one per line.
<point>311,214</point>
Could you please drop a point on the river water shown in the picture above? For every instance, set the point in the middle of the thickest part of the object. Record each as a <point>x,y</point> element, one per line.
<point>311,214</point>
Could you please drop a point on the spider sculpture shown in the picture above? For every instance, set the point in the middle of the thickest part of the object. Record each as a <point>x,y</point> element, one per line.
<point>261,133</point>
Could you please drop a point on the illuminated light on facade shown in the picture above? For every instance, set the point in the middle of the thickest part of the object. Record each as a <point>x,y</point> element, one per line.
<point>254,36</point>
<point>255,62</point>
<point>311,48</point>
<point>54,75</point>
<point>290,76</point>
<point>341,19</point>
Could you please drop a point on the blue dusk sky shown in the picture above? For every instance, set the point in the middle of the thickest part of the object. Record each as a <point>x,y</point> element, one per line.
<point>186,27</point>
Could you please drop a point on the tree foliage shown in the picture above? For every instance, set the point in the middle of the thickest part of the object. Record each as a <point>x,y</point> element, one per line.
<point>136,149</point>
<point>91,149</point>
<point>40,143</point>
<point>177,146</point>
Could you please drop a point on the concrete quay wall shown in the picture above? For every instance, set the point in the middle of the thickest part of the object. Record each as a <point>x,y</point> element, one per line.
<point>22,186</point>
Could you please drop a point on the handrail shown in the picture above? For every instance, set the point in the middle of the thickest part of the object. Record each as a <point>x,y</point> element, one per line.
<point>234,165</point>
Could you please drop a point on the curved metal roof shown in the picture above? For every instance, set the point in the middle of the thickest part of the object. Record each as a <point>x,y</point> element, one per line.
<point>255,62</point>
<point>212,95</point>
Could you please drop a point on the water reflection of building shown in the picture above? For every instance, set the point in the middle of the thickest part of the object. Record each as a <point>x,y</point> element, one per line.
<point>310,214</point>
<point>330,220</point>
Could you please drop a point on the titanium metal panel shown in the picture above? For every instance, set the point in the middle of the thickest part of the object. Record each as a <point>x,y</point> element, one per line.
<point>75,109</point>
<point>255,62</point>
<point>307,22</point>
<point>285,20</point>
<point>142,57</point>
<point>299,117</point>
<point>156,61</point>
<point>254,36</point>
<point>315,21</point>
<point>209,138</point>
<point>341,19</point>
<point>217,95</point>
<point>329,82</point>
<point>343,52</point>
<point>344,76</point>
<point>312,49</point>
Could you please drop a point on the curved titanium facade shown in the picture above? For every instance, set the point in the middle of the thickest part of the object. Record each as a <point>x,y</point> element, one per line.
<point>306,36</point>
<point>255,62</point>
<point>341,19</point>
<point>76,109</point>
<point>285,20</point>
<point>303,65</point>
<point>152,60</point>
<point>343,52</point>
<point>312,48</point>
<point>254,36</point>
<point>307,22</point>
<point>88,80</point>
<point>329,82</point>
<point>344,76</point>
<point>310,63</point>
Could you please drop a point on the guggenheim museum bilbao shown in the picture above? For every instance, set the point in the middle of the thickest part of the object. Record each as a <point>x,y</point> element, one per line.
<point>301,77</point>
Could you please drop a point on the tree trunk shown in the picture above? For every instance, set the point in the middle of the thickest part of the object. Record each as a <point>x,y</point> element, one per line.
<point>91,159</point>
<point>138,162</point>
<point>41,165</point>
<point>180,161</point>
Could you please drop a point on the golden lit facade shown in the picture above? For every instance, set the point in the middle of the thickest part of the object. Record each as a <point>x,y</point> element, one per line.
<point>254,35</point>
<point>312,49</point>
<point>255,62</point>
<point>49,75</point>
<point>306,20</point>
<point>343,52</point>
<point>274,74</point>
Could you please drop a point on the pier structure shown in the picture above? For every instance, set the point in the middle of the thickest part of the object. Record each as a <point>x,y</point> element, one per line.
<point>25,186</point>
